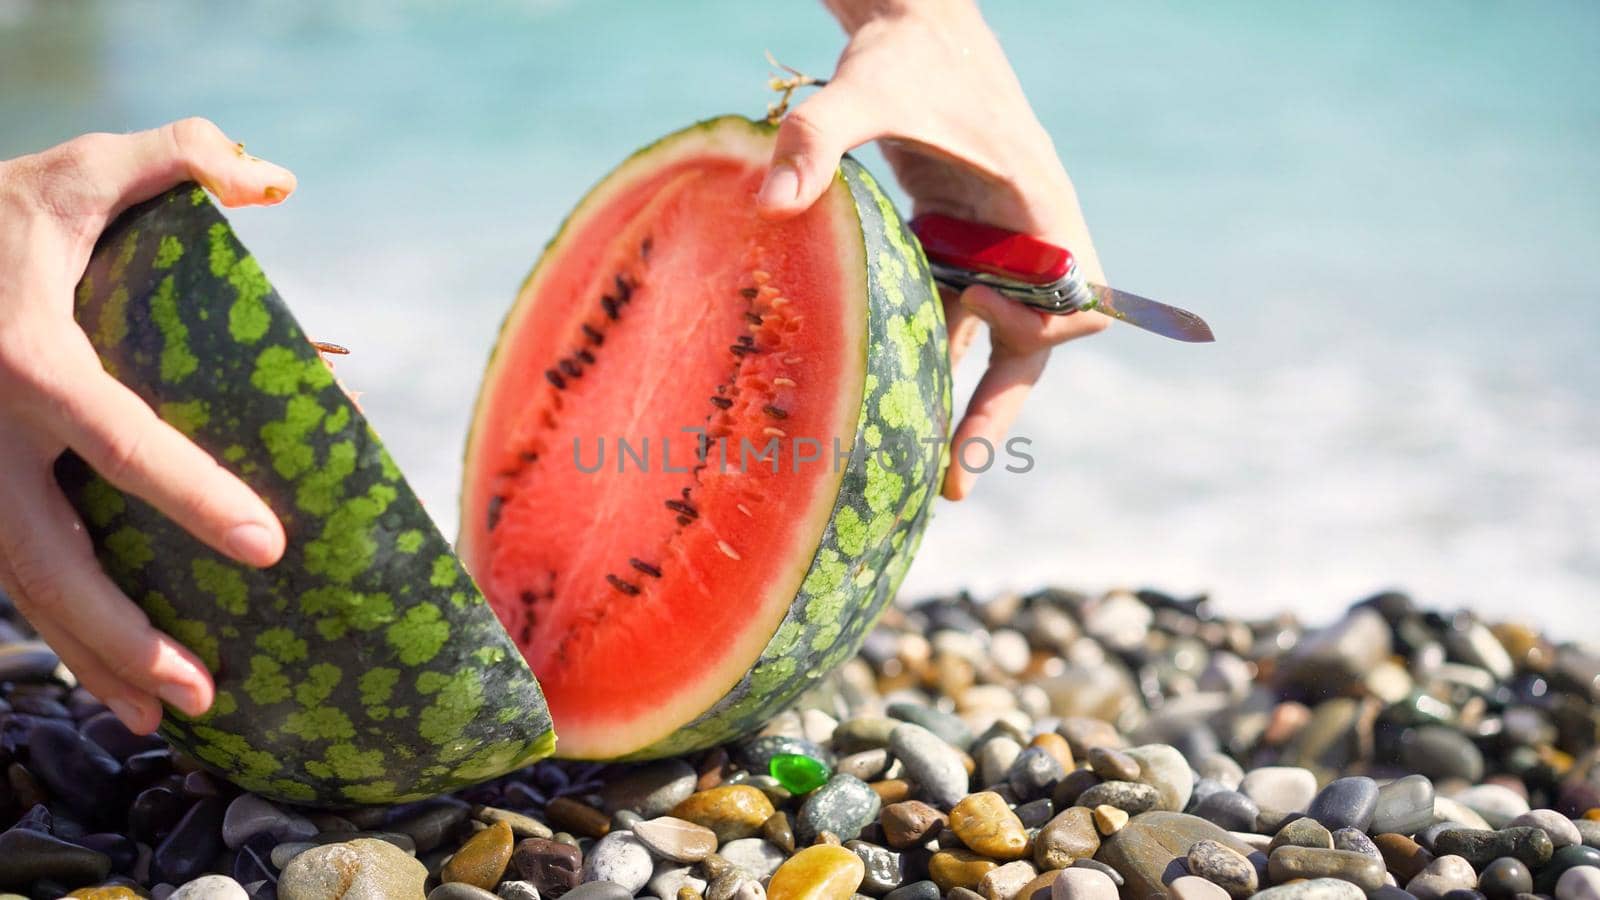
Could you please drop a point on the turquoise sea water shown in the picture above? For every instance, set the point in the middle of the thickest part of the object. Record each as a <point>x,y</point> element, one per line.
<point>1389,212</point>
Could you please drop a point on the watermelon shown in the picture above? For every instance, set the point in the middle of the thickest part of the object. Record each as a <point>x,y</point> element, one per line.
<point>364,667</point>
<point>706,445</point>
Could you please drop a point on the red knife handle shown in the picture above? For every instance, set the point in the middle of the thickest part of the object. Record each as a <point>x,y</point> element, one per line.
<point>960,244</point>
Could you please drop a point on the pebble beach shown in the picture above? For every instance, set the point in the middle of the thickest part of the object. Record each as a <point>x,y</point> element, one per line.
<point>1050,746</point>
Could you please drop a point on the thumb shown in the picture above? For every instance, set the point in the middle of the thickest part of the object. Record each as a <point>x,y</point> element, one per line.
<point>812,138</point>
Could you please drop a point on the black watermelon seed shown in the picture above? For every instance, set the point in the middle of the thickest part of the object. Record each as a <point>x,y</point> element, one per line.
<point>722,402</point>
<point>554,377</point>
<point>595,337</point>
<point>644,248</point>
<point>775,412</point>
<point>528,456</point>
<point>684,520</point>
<point>748,293</point>
<point>747,340</point>
<point>645,567</point>
<point>571,369</point>
<point>678,506</point>
<point>610,304</point>
<point>586,356</point>
<point>624,288</point>
<point>741,349</point>
<point>752,318</point>
<point>495,503</point>
<point>632,590</point>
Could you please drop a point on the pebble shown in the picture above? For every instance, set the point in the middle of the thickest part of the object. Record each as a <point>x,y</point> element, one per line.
<point>650,790</point>
<point>1142,850</point>
<point>568,814</point>
<point>1446,810</point>
<point>731,811</point>
<point>1083,884</point>
<point>482,860</point>
<point>1230,810</point>
<point>1403,856</point>
<point>1223,866</point>
<point>676,839</point>
<point>1164,768</point>
<point>362,869</point>
<point>1034,773</point>
<point>986,825</point>
<point>909,822</point>
<point>599,890</point>
<point>459,890</point>
<point>428,823</point>
<point>1112,764</point>
<point>817,873</point>
<point>948,728</point>
<point>916,890</point>
<point>842,807</point>
<point>1544,879</point>
<point>521,826</point>
<point>866,765</point>
<point>1290,862</point>
<point>933,765</point>
<point>1068,837</point>
<point>1440,877</point>
<point>249,815</point>
<point>1505,878</point>
<point>1440,752</point>
<point>755,856</point>
<point>517,890</point>
<point>1190,887</point>
<point>1345,803</point>
<point>1006,882</point>
<point>1356,841</point>
<point>620,858</point>
<point>669,878</point>
<point>1579,883</point>
<point>210,887</point>
<point>553,867</point>
<point>955,868</point>
<point>1287,789</point>
<point>1559,828</point>
<point>885,869</point>
<point>187,851</point>
<point>27,855</point>
<point>1404,806</point>
<point>1108,819</point>
<point>757,755</point>
<point>1480,847</point>
<point>1131,797</point>
<point>1302,832</point>
<point>1496,803</point>
<point>1315,889</point>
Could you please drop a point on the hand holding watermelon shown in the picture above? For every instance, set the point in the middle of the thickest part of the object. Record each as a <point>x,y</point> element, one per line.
<point>932,84</point>
<point>55,395</point>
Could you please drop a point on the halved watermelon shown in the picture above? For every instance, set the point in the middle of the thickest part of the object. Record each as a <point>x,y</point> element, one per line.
<point>706,446</point>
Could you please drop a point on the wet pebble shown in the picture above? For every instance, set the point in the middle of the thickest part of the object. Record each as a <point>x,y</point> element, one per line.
<point>842,807</point>
<point>1345,803</point>
<point>482,860</point>
<point>986,825</point>
<point>817,873</point>
<point>620,858</point>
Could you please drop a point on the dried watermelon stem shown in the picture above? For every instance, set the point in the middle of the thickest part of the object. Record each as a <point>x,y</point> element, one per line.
<point>786,86</point>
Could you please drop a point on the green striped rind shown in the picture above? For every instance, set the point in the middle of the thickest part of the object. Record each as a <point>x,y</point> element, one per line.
<point>365,667</point>
<point>884,501</point>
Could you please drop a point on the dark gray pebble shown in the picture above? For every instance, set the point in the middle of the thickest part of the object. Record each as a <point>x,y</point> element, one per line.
<point>1481,847</point>
<point>1441,752</point>
<point>429,822</point>
<point>916,890</point>
<point>843,807</point>
<point>1346,803</point>
<point>756,755</point>
<point>1545,877</point>
<point>27,856</point>
<point>75,769</point>
<point>1034,774</point>
<point>949,727</point>
<point>1128,796</point>
<point>187,852</point>
<point>1505,878</point>
<point>1231,810</point>
<point>885,870</point>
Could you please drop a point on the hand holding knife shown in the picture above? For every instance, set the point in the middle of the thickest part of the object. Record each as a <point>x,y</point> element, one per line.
<point>1040,275</point>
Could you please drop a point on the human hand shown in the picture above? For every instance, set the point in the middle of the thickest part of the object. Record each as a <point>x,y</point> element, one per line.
<point>55,396</point>
<point>929,81</point>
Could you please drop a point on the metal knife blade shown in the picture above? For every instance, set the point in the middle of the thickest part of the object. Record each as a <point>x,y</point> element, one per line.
<point>1167,321</point>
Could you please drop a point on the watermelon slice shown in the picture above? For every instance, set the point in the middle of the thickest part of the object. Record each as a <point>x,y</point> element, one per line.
<point>706,445</point>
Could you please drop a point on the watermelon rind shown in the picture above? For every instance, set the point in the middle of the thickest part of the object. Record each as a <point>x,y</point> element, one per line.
<point>364,667</point>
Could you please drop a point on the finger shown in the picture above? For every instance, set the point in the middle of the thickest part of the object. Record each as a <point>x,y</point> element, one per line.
<point>961,324</point>
<point>994,407</point>
<point>811,140</point>
<point>141,165</point>
<point>65,593</point>
<point>1021,328</point>
<point>122,439</point>
<point>139,711</point>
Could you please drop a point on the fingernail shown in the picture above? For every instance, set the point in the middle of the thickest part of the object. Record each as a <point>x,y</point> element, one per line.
<point>782,186</point>
<point>181,697</point>
<point>252,543</point>
<point>128,713</point>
